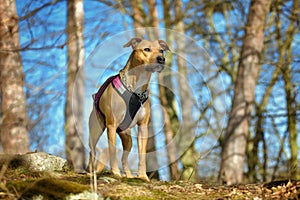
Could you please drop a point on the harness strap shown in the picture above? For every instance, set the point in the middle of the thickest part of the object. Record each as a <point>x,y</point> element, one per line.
<point>132,100</point>
<point>98,95</point>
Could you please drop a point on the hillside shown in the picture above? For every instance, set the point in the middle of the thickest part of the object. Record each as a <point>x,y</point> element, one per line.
<point>18,181</point>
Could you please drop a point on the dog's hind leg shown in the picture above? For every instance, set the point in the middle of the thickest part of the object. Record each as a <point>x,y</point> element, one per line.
<point>127,144</point>
<point>96,128</point>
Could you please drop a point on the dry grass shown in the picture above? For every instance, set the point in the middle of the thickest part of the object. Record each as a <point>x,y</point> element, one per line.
<point>21,183</point>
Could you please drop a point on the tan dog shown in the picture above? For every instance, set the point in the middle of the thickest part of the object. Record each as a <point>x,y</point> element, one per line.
<point>147,57</point>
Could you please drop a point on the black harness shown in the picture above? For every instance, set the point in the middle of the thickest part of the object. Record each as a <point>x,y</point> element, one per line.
<point>133,100</point>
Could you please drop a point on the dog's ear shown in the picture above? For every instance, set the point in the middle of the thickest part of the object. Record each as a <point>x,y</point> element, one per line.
<point>163,45</point>
<point>133,42</point>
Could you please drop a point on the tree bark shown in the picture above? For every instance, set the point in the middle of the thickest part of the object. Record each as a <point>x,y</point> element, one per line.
<point>189,158</point>
<point>235,141</point>
<point>154,22</point>
<point>75,153</point>
<point>171,124</point>
<point>290,95</point>
<point>166,97</point>
<point>137,16</point>
<point>14,133</point>
<point>152,162</point>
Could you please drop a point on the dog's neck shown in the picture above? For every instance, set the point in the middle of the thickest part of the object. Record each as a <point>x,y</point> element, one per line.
<point>135,78</point>
<point>135,82</point>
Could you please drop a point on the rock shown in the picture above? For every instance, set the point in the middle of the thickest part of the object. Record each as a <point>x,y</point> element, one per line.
<point>85,195</point>
<point>37,161</point>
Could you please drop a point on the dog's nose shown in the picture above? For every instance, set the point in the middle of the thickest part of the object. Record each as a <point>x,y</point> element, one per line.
<point>160,59</point>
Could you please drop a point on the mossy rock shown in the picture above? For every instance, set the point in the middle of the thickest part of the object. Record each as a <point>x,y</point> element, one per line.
<point>34,161</point>
<point>49,188</point>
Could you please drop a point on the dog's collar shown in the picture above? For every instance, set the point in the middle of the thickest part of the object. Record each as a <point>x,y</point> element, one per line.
<point>125,82</point>
<point>122,85</point>
<point>142,95</point>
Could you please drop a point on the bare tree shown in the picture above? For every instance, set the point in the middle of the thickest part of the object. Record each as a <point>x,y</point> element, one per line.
<point>137,16</point>
<point>167,98</point>
<point>252,151</point>
<point>189,158</point>
<point>284,38</point>
<point>290,93</point>
<point>14,134</point>
<point>235,141</point>
<point>151,147</point>
<point>75,86</point>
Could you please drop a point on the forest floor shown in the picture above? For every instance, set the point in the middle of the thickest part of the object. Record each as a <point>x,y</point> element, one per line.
<point>23,184</point>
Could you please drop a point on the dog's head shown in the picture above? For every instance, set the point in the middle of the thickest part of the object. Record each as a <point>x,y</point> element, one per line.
<point>148,53</point>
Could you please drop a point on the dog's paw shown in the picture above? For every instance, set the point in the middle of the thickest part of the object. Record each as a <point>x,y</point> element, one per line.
<point>129,175</point>
<point>144,177</point>
<point>117,175</point>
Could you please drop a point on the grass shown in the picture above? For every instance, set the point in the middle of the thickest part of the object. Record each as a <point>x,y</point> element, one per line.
<point>23,184</point>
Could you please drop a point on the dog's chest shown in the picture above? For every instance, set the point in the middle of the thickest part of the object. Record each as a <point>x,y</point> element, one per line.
<point>140,115</point>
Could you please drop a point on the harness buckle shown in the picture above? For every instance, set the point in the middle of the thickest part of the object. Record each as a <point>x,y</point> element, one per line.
<point>142,96</point>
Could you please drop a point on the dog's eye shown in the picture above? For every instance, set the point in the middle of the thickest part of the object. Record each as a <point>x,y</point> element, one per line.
<point>147,49</point>
<point>161,51</point>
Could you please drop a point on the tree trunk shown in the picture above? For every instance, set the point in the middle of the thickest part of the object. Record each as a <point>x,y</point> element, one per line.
<point>290,95</point>
<point>137,16</point>
<point>189,157</point>
<point>152,162</point>
<point>292,123</point>
<point>75,86</point>
<point>14,133</point>
<point>235,141</point>
<point>283,44</point>
<point>154,22</point>
<point>166,97</point>
<point>1,149</point>
<point>253,150</point>
<point>171,123</point>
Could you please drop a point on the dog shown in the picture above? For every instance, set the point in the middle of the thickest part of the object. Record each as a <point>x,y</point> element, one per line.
<point>123,102</point>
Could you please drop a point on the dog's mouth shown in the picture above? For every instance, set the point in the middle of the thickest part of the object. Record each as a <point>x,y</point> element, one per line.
<point>155,67</point>
<point>158,66</point>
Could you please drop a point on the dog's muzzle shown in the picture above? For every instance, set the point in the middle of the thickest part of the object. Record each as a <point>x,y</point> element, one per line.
<point>160,59</point>
<point>156,67</point>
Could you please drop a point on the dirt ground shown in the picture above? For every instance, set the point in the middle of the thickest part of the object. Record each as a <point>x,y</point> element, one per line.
<point>22,184</point>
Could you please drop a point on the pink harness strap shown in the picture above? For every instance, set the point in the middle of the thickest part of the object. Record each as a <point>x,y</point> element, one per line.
<point>98,95</point>
<point>119,85</point>
<point>133,100</point>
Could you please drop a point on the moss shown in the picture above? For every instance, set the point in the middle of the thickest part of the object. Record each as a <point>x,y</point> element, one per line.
<point>49,188</point>
<point>139,198</point>
<point>133,180</point>
<point>159,194</point>
<point>81,179</point>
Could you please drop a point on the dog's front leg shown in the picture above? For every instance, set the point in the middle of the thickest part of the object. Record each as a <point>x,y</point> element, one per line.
<point>142,144</point>
<point>111,134</point>
<point>127,144</point>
